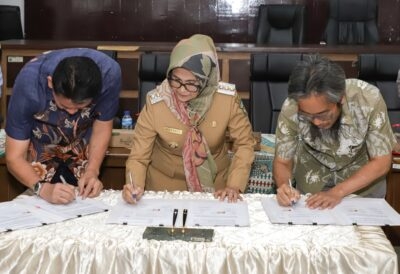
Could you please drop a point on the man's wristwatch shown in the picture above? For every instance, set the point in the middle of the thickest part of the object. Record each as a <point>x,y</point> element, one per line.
<point>37,187</point>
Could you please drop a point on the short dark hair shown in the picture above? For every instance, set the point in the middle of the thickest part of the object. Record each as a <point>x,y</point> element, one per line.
<point>317,75</point>
<point>77,78</point>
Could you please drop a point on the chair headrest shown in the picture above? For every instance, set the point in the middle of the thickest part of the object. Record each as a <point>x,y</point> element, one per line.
<point>353,10</point>
<point>379,67</point>
<point>153,66</point>
<point>273,66</point>
<point>281,17</point>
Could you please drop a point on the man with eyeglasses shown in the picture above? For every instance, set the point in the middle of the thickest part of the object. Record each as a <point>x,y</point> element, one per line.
<point>333,137</point>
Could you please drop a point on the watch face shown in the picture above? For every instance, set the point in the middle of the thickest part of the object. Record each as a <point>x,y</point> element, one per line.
<point>36,187</point>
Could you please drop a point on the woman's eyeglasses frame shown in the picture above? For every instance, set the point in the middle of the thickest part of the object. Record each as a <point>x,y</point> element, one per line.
<point>177,83</point>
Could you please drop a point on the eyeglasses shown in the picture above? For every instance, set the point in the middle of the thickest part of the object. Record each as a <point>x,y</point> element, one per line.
<point>324,116</point>
<point>175,83</point>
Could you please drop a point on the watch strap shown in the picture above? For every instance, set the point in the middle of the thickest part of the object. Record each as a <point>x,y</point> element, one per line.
<point>37,187</point>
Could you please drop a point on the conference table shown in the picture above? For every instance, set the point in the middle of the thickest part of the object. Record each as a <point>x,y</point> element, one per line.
<point>89,245</point>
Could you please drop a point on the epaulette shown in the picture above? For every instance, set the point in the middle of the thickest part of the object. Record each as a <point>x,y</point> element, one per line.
<point>154,96</point>
<point>226,88</point>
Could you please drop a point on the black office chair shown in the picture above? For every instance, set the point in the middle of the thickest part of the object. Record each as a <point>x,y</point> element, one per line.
<point>10,23</point>
<point>381,70</point>
<point>280,24</point>
<point>269,76</point>
<point>110,53</point>
<point>152,71</point>
<point>352,22</point>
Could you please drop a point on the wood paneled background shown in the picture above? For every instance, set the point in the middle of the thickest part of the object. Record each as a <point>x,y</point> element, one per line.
<point>227,21</point>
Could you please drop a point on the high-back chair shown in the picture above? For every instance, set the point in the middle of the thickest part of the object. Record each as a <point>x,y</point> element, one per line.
<point>10,23</point>
<point>152,71</point>
<point>280,24</point>
<point>110,53</point>
<point>269,76</point>
<point>381,70</point>
<point>352,22</point>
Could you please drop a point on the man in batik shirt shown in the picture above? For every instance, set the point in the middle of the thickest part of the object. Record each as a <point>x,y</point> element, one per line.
<point>333,137</point>
<point>59,122</point>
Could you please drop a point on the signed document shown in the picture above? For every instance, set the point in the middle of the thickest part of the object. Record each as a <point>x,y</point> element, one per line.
<point>160,212</point>
<point>15,216</point>
<point>58,212</point>
<point>351,211</point>
<point>32,211</point>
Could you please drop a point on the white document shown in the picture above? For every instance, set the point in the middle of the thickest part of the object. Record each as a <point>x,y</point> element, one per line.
<point>351,211</point>
<point>56,213</point>
<point>15,216</point>
<point>159,212</point>
<point>367,211</point>
<point>296,214</point>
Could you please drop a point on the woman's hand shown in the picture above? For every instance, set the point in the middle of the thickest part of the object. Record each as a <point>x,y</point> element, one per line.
<point>233,194</point>
<point>131,194</point>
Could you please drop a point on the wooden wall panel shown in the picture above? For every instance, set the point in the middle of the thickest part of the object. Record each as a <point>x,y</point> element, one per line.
<point>171,20</point>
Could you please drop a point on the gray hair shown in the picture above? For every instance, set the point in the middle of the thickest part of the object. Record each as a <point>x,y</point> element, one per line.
<point>317,75</point>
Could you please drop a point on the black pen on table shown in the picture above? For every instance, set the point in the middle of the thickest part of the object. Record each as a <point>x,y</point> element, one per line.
<point>174,215</point>
<point>133,185</point>
<point>185,212</point>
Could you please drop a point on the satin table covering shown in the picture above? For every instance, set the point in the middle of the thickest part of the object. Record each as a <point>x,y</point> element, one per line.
<point>88,245</point>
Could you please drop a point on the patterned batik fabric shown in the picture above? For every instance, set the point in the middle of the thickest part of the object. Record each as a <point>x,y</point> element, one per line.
<point>60,141</point>
<point>320,163</point>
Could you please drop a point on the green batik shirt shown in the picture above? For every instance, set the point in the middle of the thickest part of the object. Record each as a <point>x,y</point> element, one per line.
<point>364,132</point>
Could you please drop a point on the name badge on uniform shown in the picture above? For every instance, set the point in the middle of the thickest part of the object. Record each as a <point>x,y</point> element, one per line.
<point>173,130</point>
<point>226,88</point>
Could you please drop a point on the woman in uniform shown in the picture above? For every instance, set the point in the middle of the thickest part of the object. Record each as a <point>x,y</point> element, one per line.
<point>179,141</point>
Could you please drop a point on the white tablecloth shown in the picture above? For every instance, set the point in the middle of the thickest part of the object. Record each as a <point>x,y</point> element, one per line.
<point>88,245</point>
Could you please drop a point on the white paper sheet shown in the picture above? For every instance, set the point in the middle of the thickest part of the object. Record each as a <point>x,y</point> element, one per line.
<point>56,213</point>
<point>15,216</point>
<point>351,211</point>
<point>159,212</point>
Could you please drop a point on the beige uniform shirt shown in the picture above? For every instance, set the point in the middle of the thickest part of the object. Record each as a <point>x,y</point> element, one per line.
<point>156,155</point>
<point>365,132</point>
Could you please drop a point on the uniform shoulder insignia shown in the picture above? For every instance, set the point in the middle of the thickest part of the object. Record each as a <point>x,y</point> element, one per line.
<point>154,96</point>
<point>226,88</point>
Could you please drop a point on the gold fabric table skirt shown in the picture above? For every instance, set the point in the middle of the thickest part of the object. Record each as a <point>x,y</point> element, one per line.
<point>88,245</point>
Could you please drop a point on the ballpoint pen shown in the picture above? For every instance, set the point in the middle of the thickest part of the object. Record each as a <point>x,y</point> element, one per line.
<point>174,215</point>
<point>185,212</point>
<point>65,183</point>
<point>133,186</point>
<point>292,202</point>
<point>63,180</point>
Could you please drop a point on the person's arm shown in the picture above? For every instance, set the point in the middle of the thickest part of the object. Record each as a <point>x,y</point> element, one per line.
<point>24,172</point>
<point>89,183</point>
<point>374,169</point>
<point>286,142</point>
<point>241,132</point>
<point>144,136</point>
<point>282,170</point>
